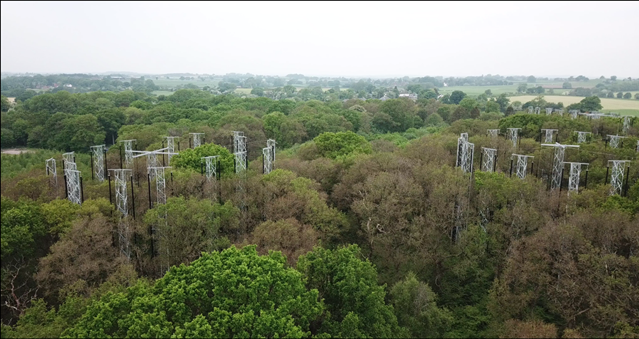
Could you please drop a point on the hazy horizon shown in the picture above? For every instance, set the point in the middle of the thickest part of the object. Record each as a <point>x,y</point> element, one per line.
<point>357,40</point>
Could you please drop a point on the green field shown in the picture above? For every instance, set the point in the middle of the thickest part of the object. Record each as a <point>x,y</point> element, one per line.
<point>621,106</point>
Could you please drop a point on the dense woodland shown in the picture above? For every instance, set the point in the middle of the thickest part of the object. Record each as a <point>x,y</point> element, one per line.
<point>364,229</point>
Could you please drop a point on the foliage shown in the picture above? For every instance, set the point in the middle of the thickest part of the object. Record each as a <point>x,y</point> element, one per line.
<point>233,293</point>
<point>355,305</point>
<point>192,158</point>
<point>334,145</point>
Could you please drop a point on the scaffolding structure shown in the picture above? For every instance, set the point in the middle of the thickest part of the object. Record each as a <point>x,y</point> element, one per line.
<point>270,143</point>
<point>575,173</point>
<point>549,110</point>
<point>537,110</point>
<point>52,169</point>
<point>582,136</point>
<point>558,163</point>
<point>559,111</point>
<point>69,160</point>
<point>573,113</point>
<point>197,139</point>
<point>74,189</point>
<point>170,147</point>
<point>160,184</point>
<point>521,165</point>
<point>98,161</point>
<point>121,193</point>
<point>549,134</point>
<point>513,135</point>
<point>239,150</point>
<point>615,140</point>
<point>489,159</point>
<point>493,133</point>
<point>267,162</point>
<point>128,152</point>
<point>617,175</point>
<point>531,110</point>
<point>465,153</point>
<point>210,167</point>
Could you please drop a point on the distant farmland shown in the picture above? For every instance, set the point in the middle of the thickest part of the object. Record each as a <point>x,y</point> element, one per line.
<point>622,106</point>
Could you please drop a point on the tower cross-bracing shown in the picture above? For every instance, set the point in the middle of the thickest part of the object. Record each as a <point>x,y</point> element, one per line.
<point>626,124</point>
<point>52,169</point>
<point>465,153</point>
<point>493,133</point>
<point>239,150</point>
<point>128,152</point>
<point>582,136</point>
<point>121,193</point>
<point>548,134</point>
<point>549,110</point>
<point>69,160</point>
<point>210,167</point>
<point>160,184</point>
<point>73,185</point>
<point>270,143</point>
<point>560,111</point>
<point>617,176</point>
<point>170,146</point>
<point>573,113</point>
<point>521,165</point>
<point>537,110</point>
<point>513,135</point>
<point>558,163</point>
<point>197,139</point>
<point>575,172</point>
<point>614,140</point>
<point>98,161</point>
<point>489,156</point>
<point>531,110</point>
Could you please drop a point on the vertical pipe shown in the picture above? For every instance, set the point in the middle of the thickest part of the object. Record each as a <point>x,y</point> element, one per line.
<point>110,197</point>
<point>201,167</point>
<point>132,199</point>
<point>148,177</point>
<point>561,181</point>
<point>557,139</point>
<point>541,140</point>
<point>606,180</point>
<point>495,163</point>
<point>105,160</point>
<point>91,165</point>
<point>81,191</point>
<point>481,158</point>
<point>627,176</point>
<point>178,145</point>
<point>263,163</point>
<point>190,144</point>
<point>586,183</point>
<point>511,168</point>
<point>121,156</point>
<point>532,167</point>
<point>47,170</point>
<point>66,192</point>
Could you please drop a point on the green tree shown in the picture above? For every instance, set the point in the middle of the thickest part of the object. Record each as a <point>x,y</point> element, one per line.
<point>259,91</point>
<point>334,145</point>
<point>353,299</point>
<point>468,104</point>
<point>590,104</point>
<point>456,97</point>
<point>192,158</point>
<point>627,95</point>
<point>566,85</point>
<point>531,79</point>
<point>5,105</point>
<point>416,308</point>
<point>522,88</point>
<point>619,95</point>
<point>233,294</point>
<point>401,111</point>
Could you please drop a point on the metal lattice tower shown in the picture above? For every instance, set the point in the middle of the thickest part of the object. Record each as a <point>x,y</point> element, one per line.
<point>488,159</point>
<point>128,152</point>
<point>513,135</point>
<point>239,150</point>
<point>69,160</point>
<point>573,113</point>
<point>465,153</point>
<point>237,135</point>
<point>522,165</point>
<point>549,134</point>
<point>493,133</point>
<point>617,176</point>
<point>626,124</point>
<point>74,190</point>
<point>582,137</point>
<point>558,163</point>
<point>549,111</point>
<point>560,111</point>
<point>531,110</point>
<point>210,166</point>
<point>121,193</point>
<point>98,161</point>
<point>160,184</point>
<point>268,163</point>
<point>575,172</point>
<point>537,110</point>
<point>614,140</point>
<point>52,169</point>
<point>170,146</point>
<point>270,143</point>
<point>637,145</point>
<point>197,139</point>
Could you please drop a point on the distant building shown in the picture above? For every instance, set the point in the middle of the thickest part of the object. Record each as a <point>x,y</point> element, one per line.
<point>411,96</point>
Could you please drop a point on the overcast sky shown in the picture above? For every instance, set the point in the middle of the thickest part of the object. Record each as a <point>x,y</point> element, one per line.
<point>326,39</point>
